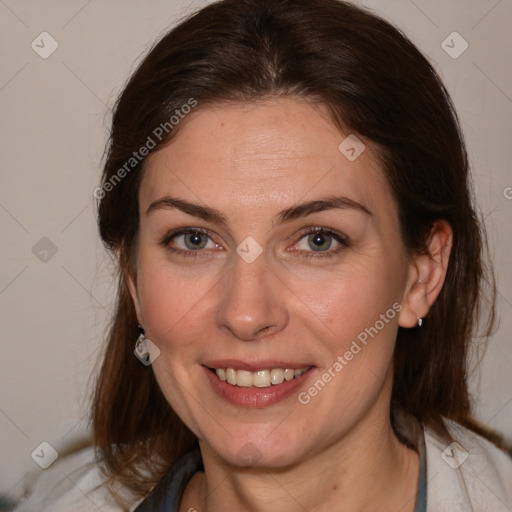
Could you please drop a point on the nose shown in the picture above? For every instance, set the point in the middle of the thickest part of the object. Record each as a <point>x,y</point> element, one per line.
<point>253,303</point>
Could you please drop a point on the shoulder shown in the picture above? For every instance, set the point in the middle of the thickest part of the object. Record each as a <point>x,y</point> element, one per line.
<point>74,483</point>
<point>469,473</point>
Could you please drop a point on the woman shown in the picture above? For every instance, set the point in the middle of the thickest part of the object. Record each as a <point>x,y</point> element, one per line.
<point>286,191</point>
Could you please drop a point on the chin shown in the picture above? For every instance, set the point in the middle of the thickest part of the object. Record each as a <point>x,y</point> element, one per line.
<point>244,452</point>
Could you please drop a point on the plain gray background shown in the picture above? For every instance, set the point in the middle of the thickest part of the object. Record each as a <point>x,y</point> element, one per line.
<point>54,114</point>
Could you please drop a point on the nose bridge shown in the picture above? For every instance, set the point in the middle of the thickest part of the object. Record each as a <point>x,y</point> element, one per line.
<point>252,303</point>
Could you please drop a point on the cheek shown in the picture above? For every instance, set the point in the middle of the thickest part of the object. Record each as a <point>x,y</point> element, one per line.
<point>171,303</point>
<point>348,300</point>
<point>356,312</point>
<point>356,336</point>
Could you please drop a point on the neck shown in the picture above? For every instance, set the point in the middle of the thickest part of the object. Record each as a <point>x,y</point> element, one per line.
<point>369,469</point>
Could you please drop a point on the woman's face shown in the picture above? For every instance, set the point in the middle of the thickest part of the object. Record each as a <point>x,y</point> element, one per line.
<point>293,260</point>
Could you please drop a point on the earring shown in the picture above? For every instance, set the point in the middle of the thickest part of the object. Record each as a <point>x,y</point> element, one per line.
<point>420,322</point>
<point>141,347</point>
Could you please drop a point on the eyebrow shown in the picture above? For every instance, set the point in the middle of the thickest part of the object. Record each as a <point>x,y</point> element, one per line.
<point>213,215</point>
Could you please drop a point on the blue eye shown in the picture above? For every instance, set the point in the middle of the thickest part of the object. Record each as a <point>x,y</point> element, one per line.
<point>196,242</point>
<point>188,241</point>
<point>321,240</point>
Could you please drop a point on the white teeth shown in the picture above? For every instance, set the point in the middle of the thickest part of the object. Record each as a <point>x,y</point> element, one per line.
<point>259,379</point>
<point>244,378</point>
<point>231,376</point>
<point>277,376</point>
<point>289,374</point>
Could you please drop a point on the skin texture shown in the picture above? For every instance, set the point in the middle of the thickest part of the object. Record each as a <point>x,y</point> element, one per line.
<point>250,162</point>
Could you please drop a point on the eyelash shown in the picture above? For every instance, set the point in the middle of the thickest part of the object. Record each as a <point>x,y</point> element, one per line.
<point>341,239</point>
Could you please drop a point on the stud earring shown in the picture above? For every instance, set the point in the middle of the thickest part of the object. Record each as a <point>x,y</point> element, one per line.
<point>420,322</point>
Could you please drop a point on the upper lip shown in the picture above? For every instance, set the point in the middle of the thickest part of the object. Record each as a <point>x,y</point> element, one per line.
<point>254,366</point>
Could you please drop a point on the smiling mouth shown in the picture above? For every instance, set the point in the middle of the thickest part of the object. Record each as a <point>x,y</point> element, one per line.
<point>259,379</point>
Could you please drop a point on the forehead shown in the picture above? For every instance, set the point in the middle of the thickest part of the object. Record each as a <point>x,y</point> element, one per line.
<point>262,156</point>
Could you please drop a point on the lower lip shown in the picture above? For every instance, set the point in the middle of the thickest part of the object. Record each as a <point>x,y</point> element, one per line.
<point>255,397</point>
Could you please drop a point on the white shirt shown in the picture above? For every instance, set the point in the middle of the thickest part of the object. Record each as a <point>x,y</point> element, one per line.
<point>482,482</point>
<point>471,476</point>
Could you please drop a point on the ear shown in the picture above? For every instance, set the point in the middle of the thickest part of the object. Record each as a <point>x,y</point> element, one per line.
<point>132,287</point>
<point>130,278</point>
<point>426,275</point>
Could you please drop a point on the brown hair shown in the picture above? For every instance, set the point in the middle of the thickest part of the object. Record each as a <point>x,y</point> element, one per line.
<point>375,83</point>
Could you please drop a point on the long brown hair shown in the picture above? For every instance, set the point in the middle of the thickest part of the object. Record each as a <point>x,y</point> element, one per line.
<point>377,84</point>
